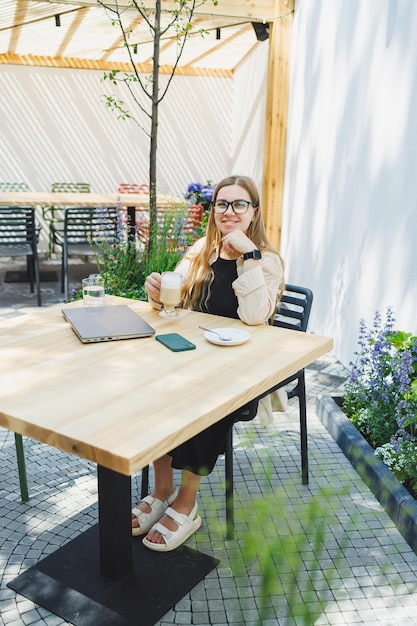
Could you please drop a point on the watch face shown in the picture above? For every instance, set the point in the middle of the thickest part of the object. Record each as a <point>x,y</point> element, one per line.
<point>255,254</point>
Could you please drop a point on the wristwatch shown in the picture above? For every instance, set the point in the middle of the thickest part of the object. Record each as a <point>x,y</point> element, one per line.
<point>255,254</point>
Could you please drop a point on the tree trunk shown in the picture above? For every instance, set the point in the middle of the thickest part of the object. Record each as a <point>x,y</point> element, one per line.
<point>153,226</point>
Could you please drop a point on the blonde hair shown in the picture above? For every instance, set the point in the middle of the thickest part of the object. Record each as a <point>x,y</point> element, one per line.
<point>199,279</point>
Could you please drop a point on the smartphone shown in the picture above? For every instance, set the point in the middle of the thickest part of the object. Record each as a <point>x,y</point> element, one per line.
<point>175,342</point>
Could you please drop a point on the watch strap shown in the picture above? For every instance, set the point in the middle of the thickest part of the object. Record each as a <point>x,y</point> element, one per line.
<point>255,254</point>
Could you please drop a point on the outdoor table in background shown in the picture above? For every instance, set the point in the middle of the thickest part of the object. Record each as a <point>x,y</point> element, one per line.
<point>41,198</point>
<point>134,203</point>
<point>121,405</point>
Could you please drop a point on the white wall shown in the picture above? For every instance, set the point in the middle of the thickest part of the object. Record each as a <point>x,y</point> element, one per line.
<point>350,208</point>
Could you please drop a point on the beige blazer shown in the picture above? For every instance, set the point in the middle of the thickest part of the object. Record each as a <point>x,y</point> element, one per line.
<point>256,290</point>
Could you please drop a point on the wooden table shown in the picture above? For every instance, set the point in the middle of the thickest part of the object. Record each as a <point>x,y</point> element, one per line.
<point>43,198</point>
<point>124,404</point>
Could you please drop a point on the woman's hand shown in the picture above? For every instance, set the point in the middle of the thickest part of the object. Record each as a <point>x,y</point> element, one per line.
<point>153,286</point>
<point>237,242</point>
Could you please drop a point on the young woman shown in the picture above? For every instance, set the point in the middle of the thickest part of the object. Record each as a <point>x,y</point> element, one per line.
<point>233,271</point>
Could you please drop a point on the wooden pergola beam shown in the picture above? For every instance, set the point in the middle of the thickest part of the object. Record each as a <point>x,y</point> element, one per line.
<point>93,64</point>
<point>261,10</point>
<point>280,37</point>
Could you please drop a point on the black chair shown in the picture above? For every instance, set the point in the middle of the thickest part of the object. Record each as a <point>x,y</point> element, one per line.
<point>18,237</point>
<point>293,313</point>
<point>55,214</point>
<point>84,233</point>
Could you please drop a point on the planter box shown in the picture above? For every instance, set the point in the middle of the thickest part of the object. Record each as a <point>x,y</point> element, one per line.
<point>395,499</point>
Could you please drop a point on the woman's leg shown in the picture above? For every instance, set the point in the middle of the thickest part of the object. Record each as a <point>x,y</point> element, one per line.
<point>164,484</point>
<point>183,503</point>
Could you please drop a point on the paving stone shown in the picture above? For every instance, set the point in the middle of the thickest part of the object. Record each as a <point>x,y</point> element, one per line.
<point>373,579</point>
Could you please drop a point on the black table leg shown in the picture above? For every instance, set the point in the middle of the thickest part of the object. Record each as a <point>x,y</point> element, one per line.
<point>105,577</point>
<point>115,532</point>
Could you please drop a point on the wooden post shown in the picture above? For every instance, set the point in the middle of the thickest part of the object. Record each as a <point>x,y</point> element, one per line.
<point>280,36</point>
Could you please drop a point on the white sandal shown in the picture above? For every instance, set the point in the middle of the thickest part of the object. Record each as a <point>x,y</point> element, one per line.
<point>187,525</point>
<point>147,520</point>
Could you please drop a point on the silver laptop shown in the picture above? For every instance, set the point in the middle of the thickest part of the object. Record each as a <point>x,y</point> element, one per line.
<point>107,323</point>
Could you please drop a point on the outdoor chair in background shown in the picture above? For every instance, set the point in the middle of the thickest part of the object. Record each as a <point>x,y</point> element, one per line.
<point>84,231</point>
<point>71,188</point>
<point>190,219</point>
<point>141,214</point>
<point>54,214</point>
<point>133,188</point>
<point>13,186</point>
<point>17,186</point>
<point>18,238</point>
<point>195,216</point>
<point>293,312</point>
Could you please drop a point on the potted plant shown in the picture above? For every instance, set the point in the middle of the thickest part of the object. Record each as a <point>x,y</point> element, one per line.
<point>375,421</point>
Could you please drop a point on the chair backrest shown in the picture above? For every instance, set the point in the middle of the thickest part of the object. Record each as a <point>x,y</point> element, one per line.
<point>17,226</point>
<point>10,186</point>
<point>294,308</point>
<point>194,217</point>
<point>70,187</point>
<point>133,188</point>
<point>91,225</point>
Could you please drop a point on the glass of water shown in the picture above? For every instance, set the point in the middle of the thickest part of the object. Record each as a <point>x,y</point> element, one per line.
<point>93,290</point>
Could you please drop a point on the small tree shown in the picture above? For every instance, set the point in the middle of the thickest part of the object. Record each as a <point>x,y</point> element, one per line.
<point>179,26</point>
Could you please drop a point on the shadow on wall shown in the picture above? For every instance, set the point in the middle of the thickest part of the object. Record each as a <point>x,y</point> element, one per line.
<point>348,228</point>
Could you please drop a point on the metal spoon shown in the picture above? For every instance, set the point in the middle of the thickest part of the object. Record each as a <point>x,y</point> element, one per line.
<point>216,333</point>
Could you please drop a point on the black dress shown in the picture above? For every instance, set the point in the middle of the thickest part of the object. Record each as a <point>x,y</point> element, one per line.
<point>199,454</point>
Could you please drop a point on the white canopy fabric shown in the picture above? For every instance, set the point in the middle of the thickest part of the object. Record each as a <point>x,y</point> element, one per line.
<point>83,34</point>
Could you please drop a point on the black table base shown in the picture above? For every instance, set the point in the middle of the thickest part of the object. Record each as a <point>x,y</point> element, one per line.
<point>68,583</point>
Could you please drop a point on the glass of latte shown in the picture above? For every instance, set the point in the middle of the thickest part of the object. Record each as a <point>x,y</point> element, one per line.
<point>171,283</point>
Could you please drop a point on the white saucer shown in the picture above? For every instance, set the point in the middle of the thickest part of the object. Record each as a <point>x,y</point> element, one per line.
<point>236,336</point>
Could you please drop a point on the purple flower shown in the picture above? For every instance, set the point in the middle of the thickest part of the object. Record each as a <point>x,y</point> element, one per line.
<point>383,377</point>
<point>207,191</point>
<point>200,194</point>
<point>194,188</point>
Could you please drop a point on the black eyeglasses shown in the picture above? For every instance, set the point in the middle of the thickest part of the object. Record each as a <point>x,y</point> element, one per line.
<point>238,206</point>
